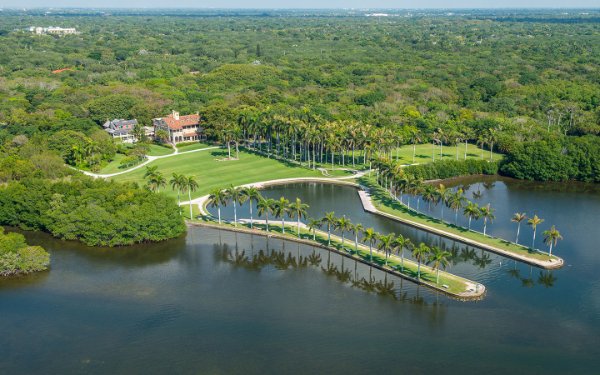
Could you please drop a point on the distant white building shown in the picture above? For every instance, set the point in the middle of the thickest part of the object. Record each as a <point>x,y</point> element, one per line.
<point>52,30</point>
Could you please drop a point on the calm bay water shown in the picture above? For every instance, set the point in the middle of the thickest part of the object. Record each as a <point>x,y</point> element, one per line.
<point>221,302</point>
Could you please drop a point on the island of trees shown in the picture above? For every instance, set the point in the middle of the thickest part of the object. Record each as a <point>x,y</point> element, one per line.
<point>18,258</point>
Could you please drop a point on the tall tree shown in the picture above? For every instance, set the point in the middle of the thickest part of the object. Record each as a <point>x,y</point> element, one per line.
<point>472,211</point>
<point>237,196</point>
<point>217,198</point>
<point>265,207</point>
<point>280,209</point>
<point>487,212</point>
<point>253,195</point>
<point>314,224</point>
<point>386,244</point>
<point>518,218</point>
<point>370,236</point>
<point>329,219</point>
<point>438,259</point>
<point>298,209</point>
<point>343,224</point>
<point>420,253</point>
<point>533,223</point>
<point>191,186</point>
<point>400,243</point>
<point>551,237</point>
<point>177,181</point>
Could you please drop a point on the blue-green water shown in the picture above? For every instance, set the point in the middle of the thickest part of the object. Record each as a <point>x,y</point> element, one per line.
<point>213,302</point>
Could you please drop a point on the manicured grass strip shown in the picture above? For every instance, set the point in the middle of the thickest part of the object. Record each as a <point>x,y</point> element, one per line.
<point>455,284</point>
<point>424,153</point>
<point>385,203</point>
<point>193,146</point>
<point>212,171</point>
<point>157,150</point>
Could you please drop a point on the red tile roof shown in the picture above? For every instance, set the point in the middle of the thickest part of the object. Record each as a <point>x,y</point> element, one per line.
<point>188,120</point>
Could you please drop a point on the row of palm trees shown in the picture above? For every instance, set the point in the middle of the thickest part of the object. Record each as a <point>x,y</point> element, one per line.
<point>265,206</point>
<point>305,137</point>
<point>282,207</point>
<point>551,236</point>
<point>388,244</point>
<point>155,180</point>
<point>396,182</point>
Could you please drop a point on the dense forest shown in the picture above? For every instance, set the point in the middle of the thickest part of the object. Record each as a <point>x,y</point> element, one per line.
<point>38,192</point>
<point>516,82</point>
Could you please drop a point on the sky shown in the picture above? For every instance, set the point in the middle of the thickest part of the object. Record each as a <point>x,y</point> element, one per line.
<point>305,4</point>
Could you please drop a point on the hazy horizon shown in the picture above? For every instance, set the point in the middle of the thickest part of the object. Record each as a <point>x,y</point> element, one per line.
<point>308,4</point>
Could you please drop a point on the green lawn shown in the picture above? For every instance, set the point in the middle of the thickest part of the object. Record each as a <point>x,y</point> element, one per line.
<point>113,166</point>
<point>193,146</point>
<point>382,201</point>
<point>424,153</point>
<point>211,171</point>
<point>156,150</point>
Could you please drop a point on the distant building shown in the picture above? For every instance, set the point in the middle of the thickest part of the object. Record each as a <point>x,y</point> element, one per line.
<point>180,128</point>
<point>121,129</point>
<point>52,30</point>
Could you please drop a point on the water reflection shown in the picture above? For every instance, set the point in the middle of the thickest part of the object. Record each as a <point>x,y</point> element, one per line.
<point>349,272</point>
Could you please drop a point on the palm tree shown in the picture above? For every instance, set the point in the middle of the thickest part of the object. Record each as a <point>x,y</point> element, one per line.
<point>386,245</point>
<point>551,237</point>
<point>217,198</point>
<point>313,225</point>
<point>443,195</point>
<point>399,244</point>
<point>472,211</point>
<point>420,253</point>
<point>191,185</point>
<point>330,220</point>
<point>370,236</point>
<point>437,259</point>
<point>488,214</point>
<point>150,171</point>
<point>415,137</point>
<point>343,225</point>
<point>357,229</point>
<point>236,194</point>
<point>533,223</point>
<point>156,181</point>
<point>252,194</point>
<point>264,207</point>
<point>298,209</point>
<point>456,201</point>
<point>428,195</point>
<point>177,182</point>
<point>280,209</point>
<point>518,218</point>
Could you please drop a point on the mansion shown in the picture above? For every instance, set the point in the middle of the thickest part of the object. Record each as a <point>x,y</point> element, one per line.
<point>180,128</point>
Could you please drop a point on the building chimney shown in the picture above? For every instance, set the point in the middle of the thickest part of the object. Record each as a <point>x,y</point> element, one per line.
<point>175,115</point>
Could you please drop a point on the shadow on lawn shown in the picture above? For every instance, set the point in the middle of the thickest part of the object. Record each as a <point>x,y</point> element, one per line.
<point>273,157</point>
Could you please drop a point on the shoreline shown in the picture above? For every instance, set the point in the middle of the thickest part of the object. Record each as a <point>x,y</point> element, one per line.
<point>369,206</point>
<point>478,293</point>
